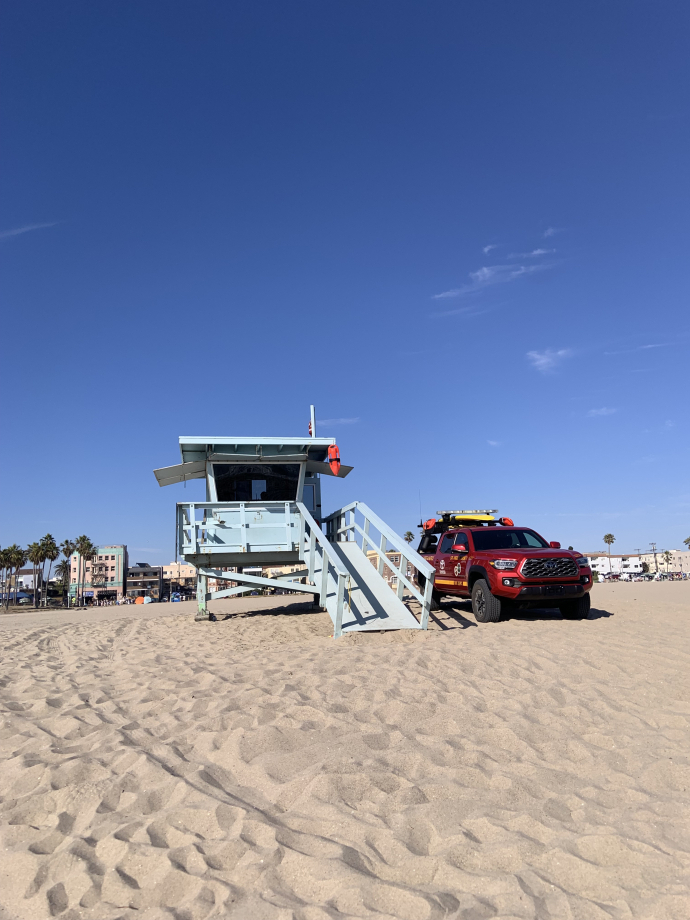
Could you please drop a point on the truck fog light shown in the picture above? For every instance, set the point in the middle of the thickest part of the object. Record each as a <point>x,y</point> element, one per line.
<point>509,582</point>
<point>584,579</point>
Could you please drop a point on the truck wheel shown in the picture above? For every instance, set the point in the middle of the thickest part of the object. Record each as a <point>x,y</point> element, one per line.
<point>576,610</point>
<point>485,606</point>
<point>435,601</point>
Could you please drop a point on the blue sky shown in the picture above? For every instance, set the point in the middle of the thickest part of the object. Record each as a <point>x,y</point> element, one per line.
<point>461,230</point>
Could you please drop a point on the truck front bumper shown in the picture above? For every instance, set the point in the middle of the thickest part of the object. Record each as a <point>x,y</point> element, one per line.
<point>529,592</point>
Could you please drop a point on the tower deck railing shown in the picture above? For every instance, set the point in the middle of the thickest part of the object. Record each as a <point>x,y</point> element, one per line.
<point>215,528</point>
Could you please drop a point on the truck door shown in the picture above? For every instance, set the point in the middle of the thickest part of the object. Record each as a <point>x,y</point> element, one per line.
<point>459,563</point>
<point>446,580</point>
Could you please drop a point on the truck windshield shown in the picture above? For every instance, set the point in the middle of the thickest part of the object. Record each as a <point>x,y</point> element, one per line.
<point>507,539</point>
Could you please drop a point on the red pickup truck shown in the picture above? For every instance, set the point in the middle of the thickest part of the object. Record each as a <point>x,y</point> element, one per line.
<point>502,567</point>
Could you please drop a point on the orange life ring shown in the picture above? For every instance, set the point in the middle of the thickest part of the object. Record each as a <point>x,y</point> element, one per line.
<point>334,458</point>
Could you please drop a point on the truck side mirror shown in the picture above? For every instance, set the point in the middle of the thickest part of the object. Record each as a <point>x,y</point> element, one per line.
<point>459,549</point>
<point>554,544</point>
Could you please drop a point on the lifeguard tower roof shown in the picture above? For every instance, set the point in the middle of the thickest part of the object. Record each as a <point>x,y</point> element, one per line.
<point>294,449</point>
<point>197,452</point>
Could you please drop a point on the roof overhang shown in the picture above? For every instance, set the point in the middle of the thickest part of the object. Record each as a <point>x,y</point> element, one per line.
<point>167,475</point>
<point>196,452</point>
<point>280,450</point>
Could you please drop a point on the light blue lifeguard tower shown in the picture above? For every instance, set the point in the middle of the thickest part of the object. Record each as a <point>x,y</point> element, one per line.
<point>263,508</point>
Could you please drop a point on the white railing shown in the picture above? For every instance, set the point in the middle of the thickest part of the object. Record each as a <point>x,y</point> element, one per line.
<point>342,526</point>
<point>315,548</point>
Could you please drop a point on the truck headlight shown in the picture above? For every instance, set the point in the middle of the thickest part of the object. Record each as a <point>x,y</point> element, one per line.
<point>582,561</point>
<point>504,564</point>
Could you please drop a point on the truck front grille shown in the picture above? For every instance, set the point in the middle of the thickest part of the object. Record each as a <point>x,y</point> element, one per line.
<point>550,568</point>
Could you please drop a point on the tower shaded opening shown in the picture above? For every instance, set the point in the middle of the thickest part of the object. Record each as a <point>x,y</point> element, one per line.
<point>255,482</point>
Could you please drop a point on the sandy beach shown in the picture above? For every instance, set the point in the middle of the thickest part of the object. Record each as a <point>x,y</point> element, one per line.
<point>255,768</point>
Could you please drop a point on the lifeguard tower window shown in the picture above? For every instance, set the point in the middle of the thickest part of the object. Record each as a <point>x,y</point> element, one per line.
<point>239,482</point>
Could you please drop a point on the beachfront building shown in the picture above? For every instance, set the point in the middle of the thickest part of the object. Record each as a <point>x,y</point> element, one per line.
<point>179,572</point>
<point>678,563</point>
<point>25,579</point>
<point>387,573</point>
<point>104,577</point>
<point>603,564</point>
<point>179,578</point>
<point>273,571</point>
<point>144,580</point>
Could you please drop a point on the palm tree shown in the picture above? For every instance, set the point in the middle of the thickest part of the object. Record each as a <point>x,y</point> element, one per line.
<point>50,554</point>
<point>408,536</point>
<point>667,556</point>
<point>86,551</point>
<point>34,553</point>
<point>19,558</point>
<point>4,566</point>
<point>62,571</point>
<point>687,542</point>
<point>67,547</point>
<point>81,546</point>
<point>15,557</point>
<point>609,539</point>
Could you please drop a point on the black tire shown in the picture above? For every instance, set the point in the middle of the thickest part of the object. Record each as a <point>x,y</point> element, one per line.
<point>435,601</point>
<point>576,610</point>
<point>487,608</point>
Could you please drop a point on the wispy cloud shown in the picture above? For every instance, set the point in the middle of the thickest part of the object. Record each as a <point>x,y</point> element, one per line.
<point>489,275</point>
<point>531,255</point>
<point>552,231</point>
<point>336,421</point>
<point>627,351</point>
<point>548,359</point>
<point>7,234</point>
<point>494,443</point>
<point>597,413</point>
<point>487,249</point>
<point>457,311</point>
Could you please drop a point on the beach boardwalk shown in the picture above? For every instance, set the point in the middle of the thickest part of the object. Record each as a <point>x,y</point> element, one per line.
<point>263,508</point>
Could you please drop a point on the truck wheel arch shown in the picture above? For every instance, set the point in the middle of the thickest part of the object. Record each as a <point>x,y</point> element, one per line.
<point>476,572</point>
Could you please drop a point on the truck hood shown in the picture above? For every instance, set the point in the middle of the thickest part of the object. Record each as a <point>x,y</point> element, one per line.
<point>525,554</point>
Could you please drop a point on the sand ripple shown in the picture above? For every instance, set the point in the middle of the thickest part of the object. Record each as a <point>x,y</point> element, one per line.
<point>254,768</point>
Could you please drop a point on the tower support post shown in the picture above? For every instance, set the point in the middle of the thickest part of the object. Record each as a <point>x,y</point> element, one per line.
<point>201,590</point>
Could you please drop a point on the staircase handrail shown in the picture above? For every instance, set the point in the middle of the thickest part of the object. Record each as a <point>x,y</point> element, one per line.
<point>328,557</point>
<point>322,540</point>
<point>391,536</point>
<point>400,545</point>
<point>388,536</point>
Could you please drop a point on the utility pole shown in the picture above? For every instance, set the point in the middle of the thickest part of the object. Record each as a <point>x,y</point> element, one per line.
<point>639,557</point>
<point>656,564</point>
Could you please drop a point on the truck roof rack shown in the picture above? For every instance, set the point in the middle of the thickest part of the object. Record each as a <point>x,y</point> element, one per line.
<point>464,513</point>
<point>448,519</point>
